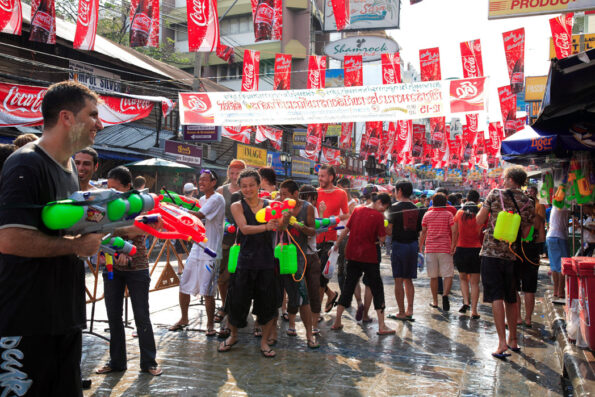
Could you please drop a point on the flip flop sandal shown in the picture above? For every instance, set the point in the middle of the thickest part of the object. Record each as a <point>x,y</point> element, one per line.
<point>340,327</point>
<point>106,369</point>
<point>476,316</point>
<point>313,344</point>
<point>433,306</point>
<point>285,316</point>
<point>225,347</point>
<point>515,349</point>
<point>270,353</point>
<point>223,333</point>
<point>501,356</point>
<point>383,333</point>
<point>211,332</point>
<point>395,317</point>
<point>315,331</point>
<point>291,332</point>
<point>410,318</point>
<point>218,316</point>
<point>257,332</point>
<point>329,305</point>
<point>177,327</point>
<point>155,370</point>
<point>271,342</point>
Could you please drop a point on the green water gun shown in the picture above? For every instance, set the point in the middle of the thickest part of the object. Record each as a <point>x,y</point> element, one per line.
<point>580,189</point>
<point>547,188</point>
<point>97,211</point>
<point>189,203</point>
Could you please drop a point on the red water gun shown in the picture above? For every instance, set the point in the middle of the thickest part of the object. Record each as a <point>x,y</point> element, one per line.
<point>229,228</point>
<point>275,210</point>
<point>179,223</point>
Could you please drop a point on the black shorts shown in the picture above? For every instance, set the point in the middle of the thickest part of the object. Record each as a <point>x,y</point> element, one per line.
<point>467,260</point>
<point>262,286</point>
<point>323,254</point>
<point>41,365</point>
<point>498,279</point>
<point>527,272</point>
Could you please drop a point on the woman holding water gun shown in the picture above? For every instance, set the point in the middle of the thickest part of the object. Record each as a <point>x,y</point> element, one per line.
<point>132,273</point>
<point>255,277</point>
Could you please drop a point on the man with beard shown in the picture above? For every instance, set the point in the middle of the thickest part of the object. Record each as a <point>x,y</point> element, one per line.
<point>42,279</point>
<point>86,162</point>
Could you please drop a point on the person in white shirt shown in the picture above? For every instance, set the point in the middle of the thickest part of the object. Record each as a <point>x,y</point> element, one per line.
<point>201,270</point>
<point>557,246</point>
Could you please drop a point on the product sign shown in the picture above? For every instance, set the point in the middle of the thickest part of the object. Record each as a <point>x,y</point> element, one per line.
<point>94,78</point>
<point>535,87</point>
<point>299,138</point>
<point>522,8</point>
<point>369,47</point>
<point>300,167</point>
<point>201,133</point>
<point>184,153</point>
<point>252,156</point>
<point>589,43</point>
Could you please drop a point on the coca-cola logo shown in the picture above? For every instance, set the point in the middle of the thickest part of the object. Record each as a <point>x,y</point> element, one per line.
<point>16,101</point>
<point>389,75</point>
<point>6,5</point>
<point>142,22</point>
<point>314,78</point>
<point>84,15</point>
<point>470,66</point>
<point>264,14</point>
<point>466,90</point>
<point>199,13</point>
<point>403,130</point>
<point>562,41</point>
<point>195,103</point>
<point>43,20</point>
<point>472,122</point>
<point>132,104</point>
<point>248,80</point>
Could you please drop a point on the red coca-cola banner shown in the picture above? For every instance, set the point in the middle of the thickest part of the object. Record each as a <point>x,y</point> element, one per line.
<point>437,131</point>
<point>468,144</point>
<point>250,70</point>
<point>467,95</point>
<point>455,147</point>
<point>274,135</point>
<point>562,35</point>
<point>43,21</point>
<point>316,71</point>
<point>20,105</point>
<point>391,68</point>
<point>342,13</point>
<point>472,122</point>
<point>495,133</point>
<point>352,67</point>
<point>439,154</point>
<point>371,139</point>
<point>155,18</point>
<point>428,152</point>
<point>86,25</point>
<point>11,16</point>
<point>419,137</point>
<point>203,25</point>
<point>403,141</point>
<point>237,133</point>
<point>514,49</point>
<point>471,57</point>
<point>226,53</point>
<point>429,61</point>
<point>384,146</point>
<point>330,156</point>
<point>282,79</point>
<point>508,109</point>
<point>346,139</point>
<point>141,16</point>
<point>314,136</point>
<point>268,19</point>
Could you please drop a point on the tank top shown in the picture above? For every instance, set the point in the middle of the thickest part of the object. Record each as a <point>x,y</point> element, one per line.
<point>228,238</point>
<point>256,250</point>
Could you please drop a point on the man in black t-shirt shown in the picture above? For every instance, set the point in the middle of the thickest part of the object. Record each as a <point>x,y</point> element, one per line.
<point>405,218</point>
<point>42,281</point>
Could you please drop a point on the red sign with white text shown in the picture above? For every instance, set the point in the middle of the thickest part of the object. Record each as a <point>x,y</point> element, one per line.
<point>471,58</point>
<point>316,71</point>
<point>155,18</point>
<point>274,135</point>
<point>345,141</point>
<point>11,16</point>
<point>495,133</point>
<point>437,131</point>
<point>391,68</point>
<point>239,134</point>
<point>203,25</point>
<point>419,137</point>
<point>342,13</point>
<point>429,61</point>
<point>562,35</point>
<point>43,21</point>
<point>467,95</point>
<point>352,66</point>
<point>86,25</point>
<point>250,70</point>
<point>508,109</point>
<point>282,79</point>
<point>403,141</point>
<point>514,49</point>
<point>226,53</point>
<point>330,156</point>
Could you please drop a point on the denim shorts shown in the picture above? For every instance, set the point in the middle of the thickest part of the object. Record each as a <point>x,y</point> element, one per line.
<point>557,248</point>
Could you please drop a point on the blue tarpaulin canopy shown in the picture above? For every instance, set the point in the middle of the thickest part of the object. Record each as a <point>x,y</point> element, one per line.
<point>528,141</point>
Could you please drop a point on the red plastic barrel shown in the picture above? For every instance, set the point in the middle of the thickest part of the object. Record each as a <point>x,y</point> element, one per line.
<point>586,286</point>
<point>570,269</point>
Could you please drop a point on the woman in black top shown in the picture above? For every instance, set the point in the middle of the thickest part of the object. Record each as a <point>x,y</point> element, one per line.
<point>255,277</point>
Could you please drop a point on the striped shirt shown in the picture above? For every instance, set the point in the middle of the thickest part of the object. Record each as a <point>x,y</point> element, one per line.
<point>438,237</point>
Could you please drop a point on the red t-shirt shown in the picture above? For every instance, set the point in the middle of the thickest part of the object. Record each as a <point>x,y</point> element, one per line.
<point>336,201</point>
<point>469,231</point>
<point>365,227</point>
<point>438,237</point>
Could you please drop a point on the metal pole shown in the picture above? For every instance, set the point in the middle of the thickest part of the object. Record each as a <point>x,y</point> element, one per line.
<point>197,71</point>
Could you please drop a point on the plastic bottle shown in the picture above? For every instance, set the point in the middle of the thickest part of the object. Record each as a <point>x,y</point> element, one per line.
<point>232,262</point>
<point>507,226</point>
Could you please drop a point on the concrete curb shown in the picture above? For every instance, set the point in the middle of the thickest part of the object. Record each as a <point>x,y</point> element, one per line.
<point>573,360</point>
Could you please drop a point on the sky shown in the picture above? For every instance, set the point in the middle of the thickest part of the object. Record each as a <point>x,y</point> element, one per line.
<point>446,23</point>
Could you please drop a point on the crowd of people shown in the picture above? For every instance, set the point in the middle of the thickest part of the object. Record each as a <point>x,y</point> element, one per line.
<point>42,299</point>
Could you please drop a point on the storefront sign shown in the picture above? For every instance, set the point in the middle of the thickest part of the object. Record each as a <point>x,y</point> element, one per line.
<point>405,101</point>
<point>369,47</point>
<point>535,88</point>
<point>94,78</point>
<point>333,130</point>
<point>523,8</point>
<point>200,133</point>
<point>299,138</point>
<point>589,43</point>
<point>301,167</point>
<point>542,144</point>
<point>365,14</point>
<point>253,156</point>
<point>274,161</point>
<point>184,153</point>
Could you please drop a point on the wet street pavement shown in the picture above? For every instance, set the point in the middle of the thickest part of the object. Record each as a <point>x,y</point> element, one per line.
<point>441,353</point>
